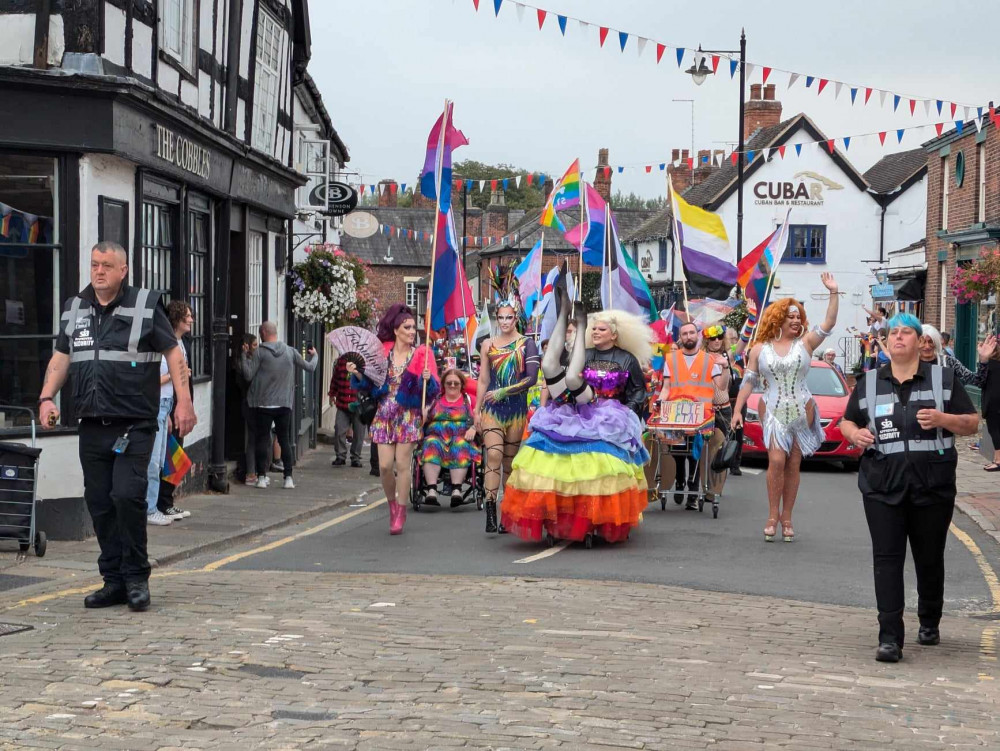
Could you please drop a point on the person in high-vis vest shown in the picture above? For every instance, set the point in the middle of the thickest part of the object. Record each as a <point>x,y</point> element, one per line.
<point>905,415</point>
<point>111,340</point>
<point>690,373</point>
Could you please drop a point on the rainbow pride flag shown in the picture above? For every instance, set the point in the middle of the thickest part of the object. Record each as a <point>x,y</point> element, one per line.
<point>177,462</point>
<point>565,195</point>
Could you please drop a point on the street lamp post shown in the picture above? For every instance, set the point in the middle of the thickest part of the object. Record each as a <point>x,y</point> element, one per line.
<point>699,71</point>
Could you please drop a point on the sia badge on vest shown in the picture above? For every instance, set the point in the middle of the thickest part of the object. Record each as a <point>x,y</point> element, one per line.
<point>887,430</point>
<point>82,337</point>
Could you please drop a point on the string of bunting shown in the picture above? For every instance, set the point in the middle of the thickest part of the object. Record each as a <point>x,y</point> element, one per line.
<point>820,84</point>
<point>476,241</point>
<point>829,144</point>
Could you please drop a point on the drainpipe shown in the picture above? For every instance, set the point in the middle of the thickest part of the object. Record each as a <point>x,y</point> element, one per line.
<point>881,236</point>
<point>217,480</point>
<point>233,65</point>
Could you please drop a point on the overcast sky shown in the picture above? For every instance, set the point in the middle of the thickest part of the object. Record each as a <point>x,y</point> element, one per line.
<point>537,100</point>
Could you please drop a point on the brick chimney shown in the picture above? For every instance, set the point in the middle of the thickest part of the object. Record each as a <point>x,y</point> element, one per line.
<point>419,202</point>
<point>496,215</point>
<point>547,189</point>
<point>474,224</point>
<point>761,111</point>
<point>680,175</point>
<point>602,180</point>
<point>702,167</point>
<point>387,194</point>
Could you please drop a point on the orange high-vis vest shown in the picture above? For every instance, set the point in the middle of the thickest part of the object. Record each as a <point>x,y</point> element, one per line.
<point>694,383</point>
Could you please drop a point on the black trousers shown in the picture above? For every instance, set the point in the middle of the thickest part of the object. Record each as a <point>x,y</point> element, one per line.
<point>926,528</point>
<point>281,418</point>
<point>115,491</point>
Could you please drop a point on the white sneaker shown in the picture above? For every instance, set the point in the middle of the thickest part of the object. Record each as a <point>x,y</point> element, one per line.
<point>289,484</point>
<point>261,482</point>
<point>158,519</point>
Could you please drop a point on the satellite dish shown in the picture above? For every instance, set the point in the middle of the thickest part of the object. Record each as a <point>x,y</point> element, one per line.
<point>360,224</point>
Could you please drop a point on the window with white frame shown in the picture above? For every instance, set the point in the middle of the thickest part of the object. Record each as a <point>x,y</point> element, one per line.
<point>944,192</point>
<point>178,33</point>
<point>411,293</point>
<point>265,96</point>
<point>981,167</point>
<point>255,282</point>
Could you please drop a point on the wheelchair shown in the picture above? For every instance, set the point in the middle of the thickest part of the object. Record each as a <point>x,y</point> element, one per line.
<point>473,490</point>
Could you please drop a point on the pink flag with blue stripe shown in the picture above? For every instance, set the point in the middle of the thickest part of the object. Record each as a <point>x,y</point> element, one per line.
<point>437,163</point>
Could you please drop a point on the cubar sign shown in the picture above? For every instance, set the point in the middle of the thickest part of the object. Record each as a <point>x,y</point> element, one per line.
<point>805,189</point>
<point>183,153</point>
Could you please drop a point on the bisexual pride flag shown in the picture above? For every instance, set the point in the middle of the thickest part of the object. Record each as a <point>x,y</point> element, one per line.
<point>451,295</point>
<point>437,163</point>
<point>177,463</point>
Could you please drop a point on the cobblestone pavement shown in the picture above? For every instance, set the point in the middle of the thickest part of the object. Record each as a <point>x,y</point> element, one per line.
<point>246,660</point>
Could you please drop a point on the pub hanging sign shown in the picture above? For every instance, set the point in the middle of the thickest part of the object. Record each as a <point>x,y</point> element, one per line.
<point>183,153</point>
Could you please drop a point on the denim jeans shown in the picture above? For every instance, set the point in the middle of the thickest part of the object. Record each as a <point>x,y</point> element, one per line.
<point>158,456</point>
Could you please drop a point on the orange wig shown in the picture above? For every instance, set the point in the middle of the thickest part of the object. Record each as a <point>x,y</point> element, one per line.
<point>770,323</point>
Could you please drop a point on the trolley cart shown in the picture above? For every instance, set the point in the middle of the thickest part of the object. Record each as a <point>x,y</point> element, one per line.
<point>18,490</point>
<point>675,428</point>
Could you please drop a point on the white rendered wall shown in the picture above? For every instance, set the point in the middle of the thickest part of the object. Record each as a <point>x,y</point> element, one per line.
<point>103,175</point>
<point>114,34</point>
<point>142,49</point>
<point>906,218</point>
<point>17,39</point>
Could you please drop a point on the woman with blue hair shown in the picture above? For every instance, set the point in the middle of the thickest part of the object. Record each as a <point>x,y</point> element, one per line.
<point>905,416</point>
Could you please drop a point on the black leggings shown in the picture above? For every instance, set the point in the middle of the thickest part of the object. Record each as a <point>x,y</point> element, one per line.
<point>282,419</point>
<point>926,529</point>
<point>993,428</point>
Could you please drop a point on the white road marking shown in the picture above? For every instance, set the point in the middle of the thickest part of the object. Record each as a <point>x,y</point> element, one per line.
<point>545,553</point>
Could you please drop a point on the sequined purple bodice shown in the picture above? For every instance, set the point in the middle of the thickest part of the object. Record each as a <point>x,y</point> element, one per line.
<point>606,378</point>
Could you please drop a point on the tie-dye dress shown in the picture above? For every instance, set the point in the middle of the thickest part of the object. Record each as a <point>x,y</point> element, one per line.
<point>444,435</point>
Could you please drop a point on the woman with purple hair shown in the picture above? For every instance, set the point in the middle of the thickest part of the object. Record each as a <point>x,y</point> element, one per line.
<point>398,424</point>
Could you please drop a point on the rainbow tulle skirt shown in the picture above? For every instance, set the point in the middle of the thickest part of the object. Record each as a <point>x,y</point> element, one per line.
<point>580,473</point>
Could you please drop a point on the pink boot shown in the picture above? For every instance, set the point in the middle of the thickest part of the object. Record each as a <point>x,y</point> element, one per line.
<point>396,518</point>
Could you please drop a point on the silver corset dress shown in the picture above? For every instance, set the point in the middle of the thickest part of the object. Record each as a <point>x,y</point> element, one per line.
<point>785,398</point>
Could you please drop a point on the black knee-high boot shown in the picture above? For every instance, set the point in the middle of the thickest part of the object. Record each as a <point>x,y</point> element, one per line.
<point>491,517</point>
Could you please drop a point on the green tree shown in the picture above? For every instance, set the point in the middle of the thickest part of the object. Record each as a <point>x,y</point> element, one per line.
<point>633,201</point>
<point>525,197</point>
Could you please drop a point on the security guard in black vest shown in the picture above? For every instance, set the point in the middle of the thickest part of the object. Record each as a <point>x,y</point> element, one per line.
<point>110,341</point>
<point>905,415</point>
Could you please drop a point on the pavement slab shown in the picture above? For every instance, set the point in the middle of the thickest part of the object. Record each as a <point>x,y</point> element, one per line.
<point>258,659</point>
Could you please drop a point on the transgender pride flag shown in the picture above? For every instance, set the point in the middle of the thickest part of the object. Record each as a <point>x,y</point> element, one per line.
<point>437,163</point>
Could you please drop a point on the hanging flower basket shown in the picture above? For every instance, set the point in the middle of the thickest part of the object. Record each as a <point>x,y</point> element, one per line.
<point>978,280</point>
<point>331,288</point>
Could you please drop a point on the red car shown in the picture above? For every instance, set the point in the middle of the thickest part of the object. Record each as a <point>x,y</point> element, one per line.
<point>831,392</point>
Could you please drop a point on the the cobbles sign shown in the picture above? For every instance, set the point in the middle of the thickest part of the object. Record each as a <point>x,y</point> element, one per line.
<point>183,153</point>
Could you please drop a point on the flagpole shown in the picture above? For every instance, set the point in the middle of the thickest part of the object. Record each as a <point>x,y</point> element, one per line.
<point>541,289</point>
<point>583,208</point>
<point>607,252</point>
<point>770,279</point>
<point>439,174</point>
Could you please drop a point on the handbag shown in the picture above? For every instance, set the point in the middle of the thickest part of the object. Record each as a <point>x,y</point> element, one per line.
<point>366,409</point>
<point>723,459</point>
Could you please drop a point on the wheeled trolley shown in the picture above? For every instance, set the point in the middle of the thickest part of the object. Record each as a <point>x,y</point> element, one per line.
<point>18,490</point>
<point>673,436</point>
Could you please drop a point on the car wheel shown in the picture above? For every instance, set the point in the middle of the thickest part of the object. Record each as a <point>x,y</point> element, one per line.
<point>851,465</point>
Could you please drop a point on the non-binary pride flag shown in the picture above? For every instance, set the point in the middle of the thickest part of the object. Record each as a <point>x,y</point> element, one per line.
<point>437,163</point>
<point>451,297</point>
<point>177,462</point>
<point>705,253</point>
<point>758,265</point>
<point>565,195</point>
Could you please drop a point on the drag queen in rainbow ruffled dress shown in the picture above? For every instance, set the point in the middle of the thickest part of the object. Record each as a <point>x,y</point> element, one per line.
<point>580,473</point>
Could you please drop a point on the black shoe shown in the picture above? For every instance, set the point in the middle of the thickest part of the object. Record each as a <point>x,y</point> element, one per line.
<point>338,463</point>
<point>928,636</point>
<point>374,472</point>
<point>501,529</point>
<point>736,472</point>
<point>106,596</point>
<point>691,505</point>
<point>491,517</point>
<point>138,595</point>
<point>456,497</point>
<point>355,464</point>
<point>889,652</point>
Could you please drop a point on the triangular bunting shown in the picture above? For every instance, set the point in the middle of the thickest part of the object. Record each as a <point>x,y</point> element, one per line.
<point>690,163</point>
<point>881,137</point>
<point>734,157</point>
<point>403,187</point>
<point>715,63</point>
<point>968,113</point>
<point>649,168</point>
<point>663,166</point>
<point>476,4</point>
<point>798,149</point>
<point>881,98</point>
<point>680,57</point>
<point>868,94</point>
<point>899,135</point>
<point>517,182</point>
<point>733,65</point>
<point>854,94</point>
<point>496,6</point>
<point>620,170</point>
<point>895,101</point>
<point>767,154</point>
<point>913,106</point>
<point>505,183</point>
<point>659,51</point>
<point>939,127</point>
<point>623,39</point>
<point>530,178</point>
<point>959,126</point>
<point>940,104</point>
<point>822,85</point>
<point>603,34</point>
<point>493,184</point>
<point>520,12</point>
<point>640,45</point>
<point>954,109</point>
<point>836,90</point>
<point>847,143</point>
<point>792,78</point>
<point>927,107</point>
<point>750,67</point>
<point>750,156</point>
<point>562,24</point>
<point>979,123</point>
<point>541,18</point>
<point>482,185</point>
<point>829,145</point>
<point>781,150</point>
<point>767,72</point>
<point>809,81</point>
<point>607,172</point>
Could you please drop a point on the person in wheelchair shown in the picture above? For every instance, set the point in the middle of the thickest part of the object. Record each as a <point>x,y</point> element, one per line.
<point>449,438</point>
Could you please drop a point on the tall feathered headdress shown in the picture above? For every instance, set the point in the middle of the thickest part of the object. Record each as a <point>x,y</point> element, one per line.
<point>506,291</point>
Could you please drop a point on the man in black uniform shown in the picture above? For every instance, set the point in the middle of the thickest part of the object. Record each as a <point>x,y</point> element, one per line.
<point>906,415</point>
<point>110,341</point>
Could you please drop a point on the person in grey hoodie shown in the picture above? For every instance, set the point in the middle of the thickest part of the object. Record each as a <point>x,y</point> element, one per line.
<point>270,369</point>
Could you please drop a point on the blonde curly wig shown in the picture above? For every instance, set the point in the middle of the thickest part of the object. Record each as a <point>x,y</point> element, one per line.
<point>634,335</point>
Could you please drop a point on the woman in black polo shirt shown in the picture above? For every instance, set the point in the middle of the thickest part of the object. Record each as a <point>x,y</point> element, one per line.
<point>905,415</point>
